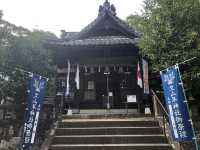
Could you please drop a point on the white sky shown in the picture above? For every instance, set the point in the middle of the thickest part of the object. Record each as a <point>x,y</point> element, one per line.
<point>54,15</point>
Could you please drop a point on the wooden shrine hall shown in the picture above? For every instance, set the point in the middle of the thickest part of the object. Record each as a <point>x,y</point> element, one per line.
<point>107,55</point>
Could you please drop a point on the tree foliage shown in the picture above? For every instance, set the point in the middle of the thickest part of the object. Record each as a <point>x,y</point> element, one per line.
<point>27,52</point>
<point>171,31</point>
<point>171,34</point>
<point>23,49</point>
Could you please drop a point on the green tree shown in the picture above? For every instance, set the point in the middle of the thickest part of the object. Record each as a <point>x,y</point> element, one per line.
<point>24,49</point>
<point>170,30</point>
<point>171,34</point>
<point>8,32</point>
<point>27,52</point>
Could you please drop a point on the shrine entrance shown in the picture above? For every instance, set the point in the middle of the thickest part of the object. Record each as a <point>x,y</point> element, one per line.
<point>108,91</point>
<point>106,88</point>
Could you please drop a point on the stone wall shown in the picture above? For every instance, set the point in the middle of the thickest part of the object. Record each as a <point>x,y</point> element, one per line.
<point>13,143</point>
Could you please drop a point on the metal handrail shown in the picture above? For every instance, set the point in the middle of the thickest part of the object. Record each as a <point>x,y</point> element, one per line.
<point>163,120</point>
<point>161,105</point>
<point>163,113</point>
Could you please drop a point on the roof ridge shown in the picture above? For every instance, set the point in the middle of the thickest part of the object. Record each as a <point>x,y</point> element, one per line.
<point>105,40</point>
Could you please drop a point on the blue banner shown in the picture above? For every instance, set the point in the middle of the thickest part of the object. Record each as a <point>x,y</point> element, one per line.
<point>35,98</point>
<point>177,105</point>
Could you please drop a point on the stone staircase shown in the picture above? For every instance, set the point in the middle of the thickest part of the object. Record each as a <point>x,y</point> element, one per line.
<point>109,133</point>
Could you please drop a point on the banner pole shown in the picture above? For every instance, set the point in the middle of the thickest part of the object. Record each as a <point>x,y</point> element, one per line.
<point>30,73</point>
<point>185,99</point>
<point>188,60</point>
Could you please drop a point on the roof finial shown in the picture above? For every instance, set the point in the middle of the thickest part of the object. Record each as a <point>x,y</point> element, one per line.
<point>107,8</point>
<point>106,4</point>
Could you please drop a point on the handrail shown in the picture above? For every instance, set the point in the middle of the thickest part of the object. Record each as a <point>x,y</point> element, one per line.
<point>160,113</point>
<point>159,102</point>
<point>162,116</point>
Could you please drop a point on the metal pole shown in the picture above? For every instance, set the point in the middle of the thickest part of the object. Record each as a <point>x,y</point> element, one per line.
<point>193,130</point>
<point>108,99</point>
<point>107,88</point>
<point>188,60</point>
<point>30,73</point>
<point>155,107</point>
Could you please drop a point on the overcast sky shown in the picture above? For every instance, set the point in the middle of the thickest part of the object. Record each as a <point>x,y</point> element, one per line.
<point>54,15</point>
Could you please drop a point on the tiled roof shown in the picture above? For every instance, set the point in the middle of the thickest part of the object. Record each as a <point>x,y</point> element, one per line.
<point>84,38</point>
<point>110,10</point>
<point>120,22</point>
<point>106,10</point>
<point>101,40</point>
<point>68,35</point>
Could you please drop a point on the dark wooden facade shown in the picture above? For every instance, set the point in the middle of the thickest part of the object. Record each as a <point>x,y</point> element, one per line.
<point>107,53</point>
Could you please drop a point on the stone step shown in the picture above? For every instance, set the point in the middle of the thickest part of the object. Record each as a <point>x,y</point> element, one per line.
<point>142,146</point>
<point>110,139</point>
<point>109,131</point>
<point>108,111</point>
<point>107,123</point>
<point>104,116</point>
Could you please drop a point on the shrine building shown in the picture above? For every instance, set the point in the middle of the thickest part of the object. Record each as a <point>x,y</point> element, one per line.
<point>107,54</point>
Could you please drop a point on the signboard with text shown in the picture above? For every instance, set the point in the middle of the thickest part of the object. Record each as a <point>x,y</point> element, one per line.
<point>177,105</point>
<point>34,104</point>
